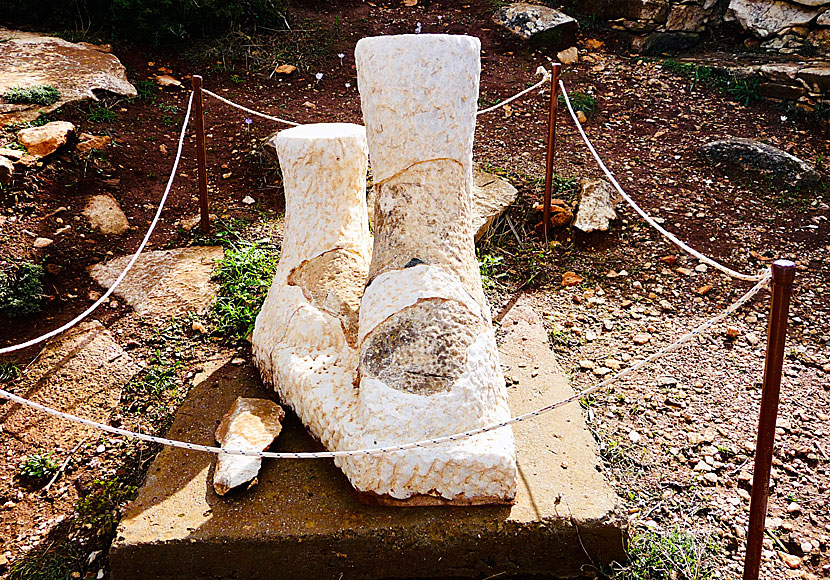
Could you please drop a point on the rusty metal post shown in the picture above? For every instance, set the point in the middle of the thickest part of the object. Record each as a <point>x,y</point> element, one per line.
<point>783,273</point>
<point>554,94</point>
<point>204,222</point>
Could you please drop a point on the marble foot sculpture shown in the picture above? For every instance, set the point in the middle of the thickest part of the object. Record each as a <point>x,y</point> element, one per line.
<point>416,358</point>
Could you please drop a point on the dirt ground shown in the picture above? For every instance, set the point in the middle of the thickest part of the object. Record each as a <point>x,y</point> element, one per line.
<point>677,439</point>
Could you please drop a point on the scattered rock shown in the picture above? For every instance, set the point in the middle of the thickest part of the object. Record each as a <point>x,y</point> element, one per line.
<point>250,425</point>
<point>752,338</point>
<point>6,171</point>
<point>105,215</point>
<point>732,332</point>
<point>764,18</point>
<point>76,70</point>
<point>248,200</point>
<point>42,242</point>
<point>568,56</point>
<point>168,82</point>
<point>87,142</point>
<point>542,26</point>
<point>791,561</point>
<point>46,139</point>
<point>164,283</point>
<point>12,154</point>
<point>571,279</point>
<point>581,117</point>
<point>492,195</point>
<point>199,327</point>
<point>285,69</point>
<point>751,154</point>
<point>597,205</point>
<point>641,338</point>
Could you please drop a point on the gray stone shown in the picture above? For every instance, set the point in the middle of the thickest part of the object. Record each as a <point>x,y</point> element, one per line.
<point>753,155</point>
<point>492,195</point>
<point>80,372</point>
<point>687,18</point>
<point>597,205</point>
<point>6,171</point>
<point>76,70</point>
<point>817,76</point>
<point>105,215</point>
<point>765,18</point>
<point>164,283</point>
<point>542,26</point>
<point>303,520</point>
<point>668,42</point>
<point>824,18</point>
<point>781,72</point>
<point>816,3</point>
<point>249,425</point>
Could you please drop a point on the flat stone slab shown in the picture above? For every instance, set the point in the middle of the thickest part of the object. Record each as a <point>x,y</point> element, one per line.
<point>303,519</point>
<point>77,70</point>
<point>81,372</point>
<point>164,283</point>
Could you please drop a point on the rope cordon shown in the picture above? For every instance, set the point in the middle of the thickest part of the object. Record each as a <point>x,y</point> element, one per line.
<point>418,444</point>
<point>682,245</point>
<point>133,259</point>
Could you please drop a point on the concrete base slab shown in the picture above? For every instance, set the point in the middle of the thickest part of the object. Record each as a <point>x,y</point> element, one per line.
<point>303,520</point>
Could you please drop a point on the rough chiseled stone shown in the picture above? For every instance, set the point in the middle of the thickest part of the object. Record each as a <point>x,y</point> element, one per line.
<point>249,425</point>
<point>492,195</point>
<point>597,205</point>
<point>76,70</point>
<point>543,26</point>
<point>753,155</point>
<point>105,215</point>
<point>46,139</point>
<point>765,18</point>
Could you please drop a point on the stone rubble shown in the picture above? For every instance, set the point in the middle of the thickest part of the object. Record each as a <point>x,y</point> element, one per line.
<point>597,205</point>
<point>544,27</point>
<point>44,140</point>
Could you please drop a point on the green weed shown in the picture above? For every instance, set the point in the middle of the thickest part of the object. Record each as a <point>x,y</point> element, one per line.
<point>741,89</point>
<point>489,265</point>
<point>54,561</point>
<point>676,555</point>
<point>101,115</point>
<point>34,95</point>
<point>580,102</point>
<point>22,291</point>
<point>244,275</point>
<point>39,465</point>
<point>8,371</point>
<point>146,89</point>
<point>100,509</point>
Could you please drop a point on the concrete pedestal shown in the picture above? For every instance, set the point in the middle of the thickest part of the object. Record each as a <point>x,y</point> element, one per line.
<point>304,520</point>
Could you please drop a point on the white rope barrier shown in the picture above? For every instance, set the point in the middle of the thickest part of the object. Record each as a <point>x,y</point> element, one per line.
<point>540,70</point>
<point>682,245</point>
<point>418,444</point>
<point>247,110</point>
<point>545,78</point>
<point>132,261</point>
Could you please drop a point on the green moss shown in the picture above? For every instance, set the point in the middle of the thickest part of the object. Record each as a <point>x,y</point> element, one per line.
<point>34,95</point>
<point>21,292</point>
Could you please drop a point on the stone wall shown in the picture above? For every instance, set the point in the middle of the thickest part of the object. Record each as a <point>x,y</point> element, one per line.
<point>656,26</point>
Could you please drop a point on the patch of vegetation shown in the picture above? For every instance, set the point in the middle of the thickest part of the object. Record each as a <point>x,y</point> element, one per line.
<point>101,115</point>
<point>34,95</point>
<point>8,371</point>
<point>244,275</point>
<point>676,555</point>
<point>150,386</point>
<point>146,89</point>
<point>39,466</point>
<point>489,265</point>
<point>21,292</point>
<point>741,89</point>
<point>52,561</point>
<point>100,509</point>
<point>580,102</point>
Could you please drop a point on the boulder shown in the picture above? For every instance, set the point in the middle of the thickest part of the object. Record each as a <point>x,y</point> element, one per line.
<point>817,76</point>
<point>87,142</point>
<point>597,205</point>
<point>667,42</point>
<point>753,155</point>
<point>249,425</point>
<point>6,171</point>
<point>764,18</point>
<point>687,18</point>
<point>541,25</point>
<point>46,139</point>
<point>105,215</point>
<point>816,3</point>
<point>491,196</point>
<point>76,70</point>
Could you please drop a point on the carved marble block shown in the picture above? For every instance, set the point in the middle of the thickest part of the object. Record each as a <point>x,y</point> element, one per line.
<point>400,347</point>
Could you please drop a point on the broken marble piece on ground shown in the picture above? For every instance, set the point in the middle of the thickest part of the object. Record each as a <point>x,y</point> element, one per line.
<point>250,425</point>
<point>597,205</point>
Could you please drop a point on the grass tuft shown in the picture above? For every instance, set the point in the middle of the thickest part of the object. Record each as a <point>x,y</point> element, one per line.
<point>21,292</point>
<point>244,275</point>
<point>675,555</point>
<point>34,95</point>
<point>580,102</point>
<point>39,466</point>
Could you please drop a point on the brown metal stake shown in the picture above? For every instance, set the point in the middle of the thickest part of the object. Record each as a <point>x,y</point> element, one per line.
<point>204,223</point>
<point>554,94</point>
<point>783,274</point>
